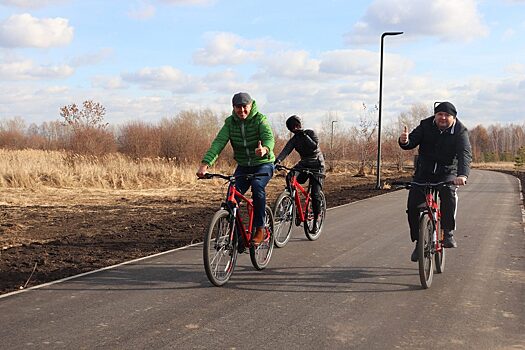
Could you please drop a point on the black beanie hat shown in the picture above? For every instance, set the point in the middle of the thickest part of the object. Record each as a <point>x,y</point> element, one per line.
<point>292,122</point>
<point>446,107</point>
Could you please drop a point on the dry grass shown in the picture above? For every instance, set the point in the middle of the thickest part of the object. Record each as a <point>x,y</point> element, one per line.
<point>37,169</point>
<point>495,166</point>
<point>34,169</point>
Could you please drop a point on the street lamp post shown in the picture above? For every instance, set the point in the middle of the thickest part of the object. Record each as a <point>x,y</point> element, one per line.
<point>332,136</point>
<point>332,145</point>
<point>378,182</point>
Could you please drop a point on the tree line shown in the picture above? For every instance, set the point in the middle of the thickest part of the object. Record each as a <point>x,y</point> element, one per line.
<point>185,137</point>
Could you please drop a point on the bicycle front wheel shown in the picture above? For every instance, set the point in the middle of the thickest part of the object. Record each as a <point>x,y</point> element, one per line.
<point>309,224</point>
<point>219,251</point>
<point>284,217</point>
<point>260,255</point>
<point>425,250</point>
<point>440,256</point>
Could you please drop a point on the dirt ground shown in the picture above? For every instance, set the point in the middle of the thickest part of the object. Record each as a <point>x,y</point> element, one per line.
<point>50,234</point>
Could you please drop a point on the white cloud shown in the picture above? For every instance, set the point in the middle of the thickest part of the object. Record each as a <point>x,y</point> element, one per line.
<point>108,83</point>
<point>164,78</point>
<point>290,64</point>
<point>27,70</point>
<point>31,3</point>
<point>27,31</point>
<point>456,21</point>
<point>142,11</point>
<point>92,58</point>
<point>353,62</point>
<point>226,49</point>
<point>508,34</point>
<point>516,69</point>
<point>188,2</point>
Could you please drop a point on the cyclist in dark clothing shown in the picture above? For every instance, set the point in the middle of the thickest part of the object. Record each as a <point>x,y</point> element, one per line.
<point>444,155</point>
<point>306,143</point>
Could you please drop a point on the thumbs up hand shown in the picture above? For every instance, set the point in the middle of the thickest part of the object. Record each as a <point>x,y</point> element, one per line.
<point>403,139</point>
<point>260,150</point>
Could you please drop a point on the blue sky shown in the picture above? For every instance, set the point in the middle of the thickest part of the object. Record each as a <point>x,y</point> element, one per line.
<point>150,59</point>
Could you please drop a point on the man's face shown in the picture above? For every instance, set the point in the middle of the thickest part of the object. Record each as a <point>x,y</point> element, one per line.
<point>296,128</point>
<point>242,111</point>
<point>443,120</point>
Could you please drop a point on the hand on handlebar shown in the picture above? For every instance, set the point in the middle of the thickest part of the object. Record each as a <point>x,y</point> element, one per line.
<point>203,169</point>
<point>460,181</point>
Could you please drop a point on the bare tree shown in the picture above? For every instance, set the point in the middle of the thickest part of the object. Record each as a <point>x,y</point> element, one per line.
<point>90,116</point>
<point>139,140</point>
<point>89,134</point>
<point>366,138</point>
<point>12,133</point>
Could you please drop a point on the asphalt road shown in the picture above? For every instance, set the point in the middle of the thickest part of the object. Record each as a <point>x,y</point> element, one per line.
<point>354,288</point>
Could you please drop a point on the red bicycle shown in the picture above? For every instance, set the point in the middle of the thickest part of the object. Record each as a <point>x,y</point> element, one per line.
<point>228,235</point>
<point>289,209</point>
<point>430,242</point>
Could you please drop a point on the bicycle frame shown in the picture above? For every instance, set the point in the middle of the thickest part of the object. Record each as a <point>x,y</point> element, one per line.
<point>434,214</point>
<point>295,188</point>
<point>232,204</point>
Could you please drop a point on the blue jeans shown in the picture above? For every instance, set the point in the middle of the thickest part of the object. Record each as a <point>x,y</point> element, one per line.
<point>258,186</point>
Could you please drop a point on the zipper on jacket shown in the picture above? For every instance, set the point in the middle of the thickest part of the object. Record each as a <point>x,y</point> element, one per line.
<point>245,144</point>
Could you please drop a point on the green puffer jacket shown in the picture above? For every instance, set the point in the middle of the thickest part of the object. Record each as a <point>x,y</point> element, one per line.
<point>244,136</point>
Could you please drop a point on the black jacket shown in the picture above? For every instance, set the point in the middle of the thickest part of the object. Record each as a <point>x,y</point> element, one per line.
<point>443,155</point>
<point>306,143</point>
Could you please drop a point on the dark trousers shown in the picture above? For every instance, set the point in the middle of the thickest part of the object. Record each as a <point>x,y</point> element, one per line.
<point>448,206</point>
<point>316,185</point>
<point>258,186</point>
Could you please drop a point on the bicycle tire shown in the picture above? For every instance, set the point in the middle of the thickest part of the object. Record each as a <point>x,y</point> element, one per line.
<point>261,254</point>
<point>439,257</point>
<point>219,252</point>
<point>425,251</point>
<point>308,225</point>
<point>284,217</point>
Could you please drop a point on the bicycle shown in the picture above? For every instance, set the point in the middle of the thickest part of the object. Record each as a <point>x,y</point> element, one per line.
<point>430,241</point>
<point>289,208</point>
<point>228,235</point>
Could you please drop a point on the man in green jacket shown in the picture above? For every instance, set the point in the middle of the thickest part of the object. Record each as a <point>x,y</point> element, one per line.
<point>251,137</point>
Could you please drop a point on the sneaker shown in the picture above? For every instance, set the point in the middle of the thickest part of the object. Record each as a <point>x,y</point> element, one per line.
<point>258,237</point>
<point>449,241</point>
<point>315,225</point>
<point>414,257</point>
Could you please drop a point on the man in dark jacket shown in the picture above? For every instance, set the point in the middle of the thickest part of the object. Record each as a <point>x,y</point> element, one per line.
<point>306,143</point>
<point>444,155</point>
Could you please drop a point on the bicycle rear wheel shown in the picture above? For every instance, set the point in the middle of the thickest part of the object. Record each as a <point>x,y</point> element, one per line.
<point>219,251</point>
<point>440,256</point>
<point>309,224</point>
<point>260,255</point>
<point>284,216</point>
<point>425,251</point>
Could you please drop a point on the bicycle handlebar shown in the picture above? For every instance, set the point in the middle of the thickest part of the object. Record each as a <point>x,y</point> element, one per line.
<point>301,170</point>
<point>231,177</point>
<point>409,184</point>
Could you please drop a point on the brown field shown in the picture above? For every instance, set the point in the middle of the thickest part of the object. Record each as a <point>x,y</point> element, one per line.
<point>59,220</point>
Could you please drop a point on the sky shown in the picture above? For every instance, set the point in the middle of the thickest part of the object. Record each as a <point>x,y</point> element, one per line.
<point>151,59</point>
